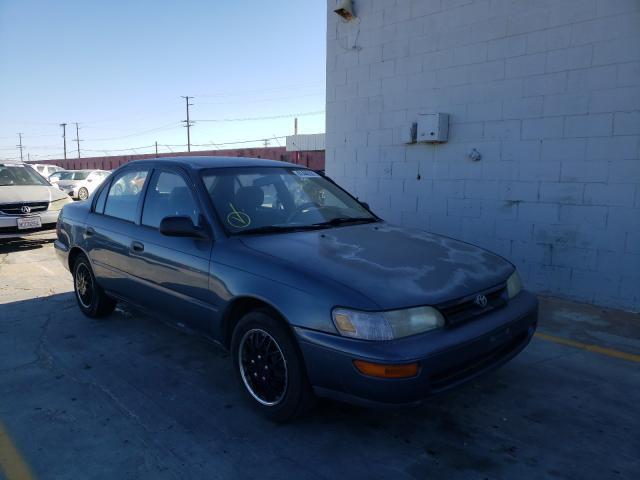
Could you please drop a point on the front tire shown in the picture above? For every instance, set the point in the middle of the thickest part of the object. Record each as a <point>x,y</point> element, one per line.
<point>269,366</point>
<point>83,194</point>
<point>92,300</point>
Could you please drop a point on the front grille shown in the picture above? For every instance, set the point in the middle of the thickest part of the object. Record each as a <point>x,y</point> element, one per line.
<point>463,309</point>
<point>16,208</point>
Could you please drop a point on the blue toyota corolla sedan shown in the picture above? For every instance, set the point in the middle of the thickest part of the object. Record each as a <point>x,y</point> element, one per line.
<point>312,293</point>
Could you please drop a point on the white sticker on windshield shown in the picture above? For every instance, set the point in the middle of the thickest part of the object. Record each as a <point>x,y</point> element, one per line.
<point>305,173</point>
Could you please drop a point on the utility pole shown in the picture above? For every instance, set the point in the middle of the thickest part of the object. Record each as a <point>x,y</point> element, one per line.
<point>64,138</point>
<point>78,139</point>
<point>266,142</point>
<point>20,145</point>
<point>188,124</point>
<point>295,132</point>
<point>156,149</point>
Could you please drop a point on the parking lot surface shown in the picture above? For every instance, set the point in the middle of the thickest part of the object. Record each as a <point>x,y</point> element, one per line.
<point>132,397</point>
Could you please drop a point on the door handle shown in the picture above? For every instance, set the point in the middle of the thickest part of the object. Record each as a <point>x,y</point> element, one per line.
<point>90,232</point>
<point>137,247</point>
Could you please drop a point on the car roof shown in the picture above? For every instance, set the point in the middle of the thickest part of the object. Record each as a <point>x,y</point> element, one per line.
<point>12,162</point>
<point>203,162</point>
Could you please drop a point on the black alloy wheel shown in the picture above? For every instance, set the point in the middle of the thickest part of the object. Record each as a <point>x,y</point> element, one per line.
<point>92,300</point>
<point>269,366</point>
<point>263,367</point>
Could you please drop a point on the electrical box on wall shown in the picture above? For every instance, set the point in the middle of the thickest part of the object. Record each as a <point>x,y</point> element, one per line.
<point>433,127</point>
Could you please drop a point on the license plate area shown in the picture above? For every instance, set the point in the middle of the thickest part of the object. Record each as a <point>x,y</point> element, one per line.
<point>26,223</point>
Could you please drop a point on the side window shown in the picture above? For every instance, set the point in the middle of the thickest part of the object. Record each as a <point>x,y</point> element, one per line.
<point>124,192</point>
<point>168,195</point>
<point>102,198</point>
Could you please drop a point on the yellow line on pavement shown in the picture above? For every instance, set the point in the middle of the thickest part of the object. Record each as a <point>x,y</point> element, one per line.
<point>632,357</point>
<point>11,462</point>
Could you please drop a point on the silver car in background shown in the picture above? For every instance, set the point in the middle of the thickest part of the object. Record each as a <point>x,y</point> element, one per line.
<point>45,169</point>
<point>79,184</point>
<point>28,203</point>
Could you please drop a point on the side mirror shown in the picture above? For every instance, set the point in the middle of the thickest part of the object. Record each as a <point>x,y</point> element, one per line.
<point>89,180</point>
<point>365,205</point>
<point>180,227</point>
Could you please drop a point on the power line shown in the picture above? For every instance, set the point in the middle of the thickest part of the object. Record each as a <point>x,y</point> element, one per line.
<point>152,130</point>
<point>274,117</point>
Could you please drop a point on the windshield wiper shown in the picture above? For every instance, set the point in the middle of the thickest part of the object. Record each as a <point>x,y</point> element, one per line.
<point>276,229</point>
<point>345,220</point>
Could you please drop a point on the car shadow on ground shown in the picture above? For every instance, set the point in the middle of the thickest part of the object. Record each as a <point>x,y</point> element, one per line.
<point>11,245</point>
<point>149,391</point>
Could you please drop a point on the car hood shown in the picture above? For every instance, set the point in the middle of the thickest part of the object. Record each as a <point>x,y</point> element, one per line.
<point>30,193</point>
<point>394,267</point>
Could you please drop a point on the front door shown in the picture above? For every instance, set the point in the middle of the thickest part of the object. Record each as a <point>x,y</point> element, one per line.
<point>173,271</point>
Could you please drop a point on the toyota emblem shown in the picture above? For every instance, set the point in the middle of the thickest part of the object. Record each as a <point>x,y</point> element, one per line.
<point>25,209</point>
<point>480,300</point>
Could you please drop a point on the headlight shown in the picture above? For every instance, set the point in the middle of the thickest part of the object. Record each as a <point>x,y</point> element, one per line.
<point>514,285</point>
<point>386,325</point>
<point>58,204</point>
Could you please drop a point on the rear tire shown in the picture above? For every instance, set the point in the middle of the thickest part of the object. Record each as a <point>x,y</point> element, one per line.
<point>269,366</point>
<point>83,193</point>
<point>92,300</point>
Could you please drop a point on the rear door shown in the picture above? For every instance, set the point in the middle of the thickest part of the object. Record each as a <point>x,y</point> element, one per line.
<point>108,234</point>
<point>173,272</point>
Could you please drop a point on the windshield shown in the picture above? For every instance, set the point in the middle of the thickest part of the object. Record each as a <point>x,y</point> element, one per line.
<point>12,175</point>
<point>265,199</point>
<point>79,175</point>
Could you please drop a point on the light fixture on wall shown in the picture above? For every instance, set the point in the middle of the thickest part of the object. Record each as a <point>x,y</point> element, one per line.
<point>345,10</point>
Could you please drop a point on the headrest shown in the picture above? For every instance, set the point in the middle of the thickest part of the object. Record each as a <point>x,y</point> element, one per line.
<point>249,198</point>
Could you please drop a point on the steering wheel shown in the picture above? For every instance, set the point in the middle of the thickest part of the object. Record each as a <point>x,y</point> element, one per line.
<point>307,206</point>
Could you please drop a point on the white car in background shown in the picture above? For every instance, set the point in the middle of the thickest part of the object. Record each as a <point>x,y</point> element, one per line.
<point>44,169</point>
<point>54,178</point>
<point>28,204</point>
<point>79,184</point>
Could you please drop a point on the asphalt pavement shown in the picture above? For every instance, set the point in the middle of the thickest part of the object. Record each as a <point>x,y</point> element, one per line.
<point>133,397</point>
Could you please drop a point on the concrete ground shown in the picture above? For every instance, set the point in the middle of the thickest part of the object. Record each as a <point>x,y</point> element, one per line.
<point>132,397</point>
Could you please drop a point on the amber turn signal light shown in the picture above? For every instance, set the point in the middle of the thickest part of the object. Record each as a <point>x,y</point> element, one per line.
<point>386,371</point>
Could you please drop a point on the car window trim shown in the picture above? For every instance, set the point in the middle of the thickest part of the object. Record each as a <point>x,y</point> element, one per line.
<point>99,190</point>
<point>188,182</point>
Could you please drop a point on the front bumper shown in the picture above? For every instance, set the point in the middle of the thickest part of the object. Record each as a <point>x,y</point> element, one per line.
<point>73,192</point>
<point>9,224</point>
<point>447,357</point>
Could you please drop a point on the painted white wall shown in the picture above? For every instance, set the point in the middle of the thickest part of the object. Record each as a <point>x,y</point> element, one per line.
<point>548,91</point>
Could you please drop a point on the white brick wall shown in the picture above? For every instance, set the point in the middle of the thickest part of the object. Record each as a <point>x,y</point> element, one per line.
<point>547,91</point>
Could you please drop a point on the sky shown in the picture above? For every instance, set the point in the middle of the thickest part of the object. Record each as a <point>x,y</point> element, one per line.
<point>119,69</point>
